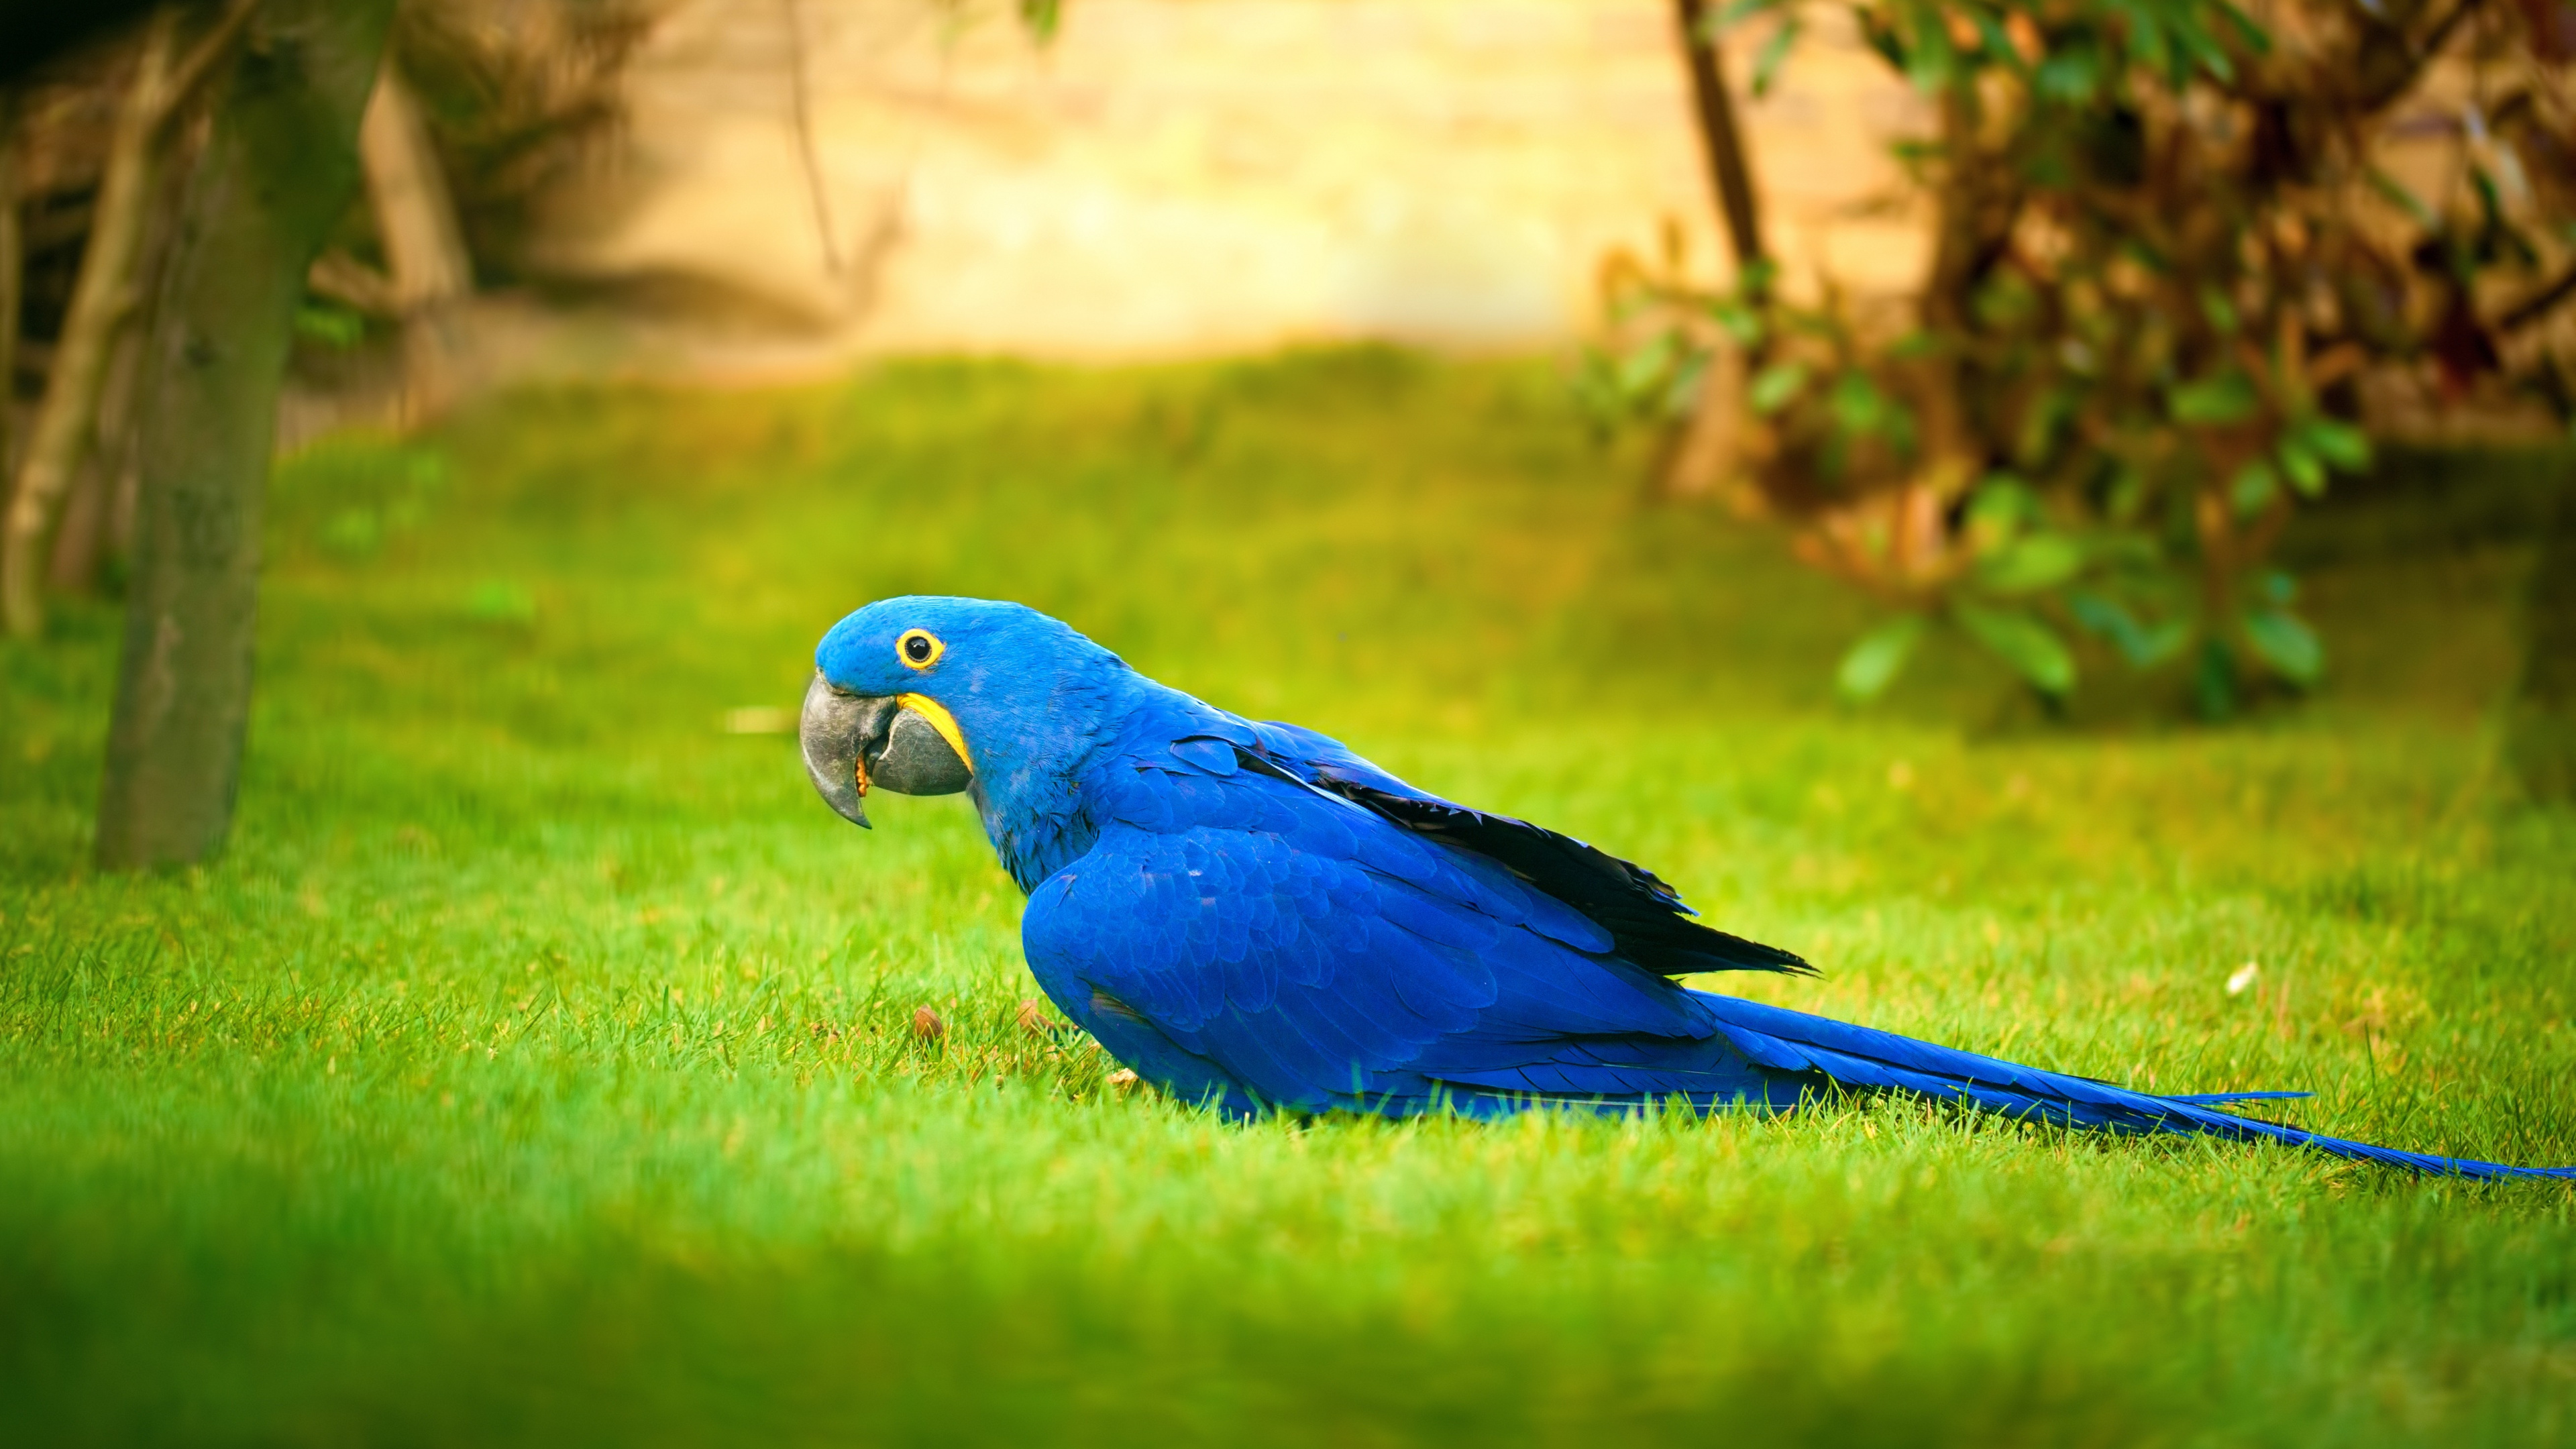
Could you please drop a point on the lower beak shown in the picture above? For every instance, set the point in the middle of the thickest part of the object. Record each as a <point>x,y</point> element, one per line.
<point>853,741</point>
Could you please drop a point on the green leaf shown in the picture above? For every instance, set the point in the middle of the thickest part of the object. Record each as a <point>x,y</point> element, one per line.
<point>330,325</point>
<point>1640,371</point>
<point>2103,616</point>
<point>2220,311</point>
<point>1042,17</point>
<point>1766,63</point>
<point>2070,75</point>
<point>2029,646</point>
<point>2307,471</point>
<point>2213,684</point>
<point>2158,642</point>
<point>1858,405</point>
<point>2128,493</point>
<point>1994,45</point>
<point>1874,662</point>
<point>2039,561</point>
<point>2000,508</point>
<point>2287,644</point>
<point>2404,200</point>
<point>2005,301</point>
<point>2042,424</point>
<point>1713,26</point>
<point>2194,45</point>
<point>1740,321</point>
<point>1596,391</point>
<point>2143,645</point>
<point>2228,397</point>
<point>2342,445</point>
<point>1931,63</point>
<point>2147,39</point>
<point>1774,386</point>
<point>1681,394</point>
<point>2253,489</point>
<point>2249,33</point>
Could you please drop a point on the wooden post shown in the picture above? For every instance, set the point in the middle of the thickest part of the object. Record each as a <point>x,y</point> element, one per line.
<point>424,247</point>
<point>102,298</point>
<point>280,166</point>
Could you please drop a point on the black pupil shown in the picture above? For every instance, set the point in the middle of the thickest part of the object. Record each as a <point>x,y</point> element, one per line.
<point>916,648</point>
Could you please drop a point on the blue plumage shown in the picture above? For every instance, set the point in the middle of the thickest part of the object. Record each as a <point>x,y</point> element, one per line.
<point>1250,914</point>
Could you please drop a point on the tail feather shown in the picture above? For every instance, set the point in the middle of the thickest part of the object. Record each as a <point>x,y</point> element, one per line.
<point>1868,1059</point>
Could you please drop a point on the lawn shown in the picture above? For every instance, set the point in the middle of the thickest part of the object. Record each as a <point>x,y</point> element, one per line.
<point>538,1065</point>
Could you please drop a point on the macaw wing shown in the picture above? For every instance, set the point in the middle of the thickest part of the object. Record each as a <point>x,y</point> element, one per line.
<point>1320,954</point>
<point>1647,922</point>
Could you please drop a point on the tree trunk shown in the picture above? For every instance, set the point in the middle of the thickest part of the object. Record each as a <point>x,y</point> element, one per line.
<point>279,167</point>
<point>13,276</point>
<point>1957,243</point>
<point>1710,444</point>
<point>103,297</point>
<point>2541,738</point>
<point>424,247</point>
<point>1715,110</point>
<point>1705,451</point>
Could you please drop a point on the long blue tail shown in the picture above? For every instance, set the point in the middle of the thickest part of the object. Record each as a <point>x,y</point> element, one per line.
<point>1859,1057</point>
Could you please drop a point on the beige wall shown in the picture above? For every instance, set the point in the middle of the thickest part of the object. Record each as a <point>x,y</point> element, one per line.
<point>1176,176</point>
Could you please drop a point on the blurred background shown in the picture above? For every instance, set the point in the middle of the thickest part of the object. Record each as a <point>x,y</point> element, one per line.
<point>2036,324</point>
<point>2057,510</point>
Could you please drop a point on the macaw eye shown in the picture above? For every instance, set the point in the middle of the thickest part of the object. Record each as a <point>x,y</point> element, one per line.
<point>920,648</point>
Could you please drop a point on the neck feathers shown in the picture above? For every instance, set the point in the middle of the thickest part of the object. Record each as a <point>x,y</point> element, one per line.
<point>1028,786</point>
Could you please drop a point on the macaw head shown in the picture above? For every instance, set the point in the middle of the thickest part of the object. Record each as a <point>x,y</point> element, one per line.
<point>924,695</point>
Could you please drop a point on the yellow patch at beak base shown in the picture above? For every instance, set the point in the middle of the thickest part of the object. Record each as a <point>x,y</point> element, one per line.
<point>940,720</point>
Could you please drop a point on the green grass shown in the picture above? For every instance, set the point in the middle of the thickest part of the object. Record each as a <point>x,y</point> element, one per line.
<point>537,1068</point>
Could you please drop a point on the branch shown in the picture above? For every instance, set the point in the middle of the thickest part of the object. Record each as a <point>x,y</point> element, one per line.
<point>1727,163</point>
<point>2440,34</point>
<point>346,280</point>
<point>2422,54</point>
<point>2532,308</point>
<point>805,138</point>
<point>191,72</point>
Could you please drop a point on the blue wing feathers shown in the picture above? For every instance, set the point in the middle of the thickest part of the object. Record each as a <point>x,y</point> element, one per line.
<point>1584,897</point>
<point>1267,920</point>
<point>1216,756</point>
<point>1410,910</point>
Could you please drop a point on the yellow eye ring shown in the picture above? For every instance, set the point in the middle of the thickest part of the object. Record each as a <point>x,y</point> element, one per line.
<point>919,649</point>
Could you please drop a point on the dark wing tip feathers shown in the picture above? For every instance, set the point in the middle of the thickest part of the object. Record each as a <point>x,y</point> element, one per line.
<point>1644,916</point>
<point>1647,922</point>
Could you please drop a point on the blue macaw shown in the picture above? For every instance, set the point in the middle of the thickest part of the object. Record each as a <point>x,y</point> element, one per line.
<point>1250,914</point>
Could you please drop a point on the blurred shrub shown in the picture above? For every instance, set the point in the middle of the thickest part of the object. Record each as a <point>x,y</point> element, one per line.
<point>2164,257</point>
<point>519,96</point>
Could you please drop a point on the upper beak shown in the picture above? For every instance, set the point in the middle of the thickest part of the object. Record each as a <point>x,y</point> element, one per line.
<point>852,741</point>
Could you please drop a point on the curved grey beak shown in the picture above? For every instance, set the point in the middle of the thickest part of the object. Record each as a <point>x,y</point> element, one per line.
<point>853,741</point>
